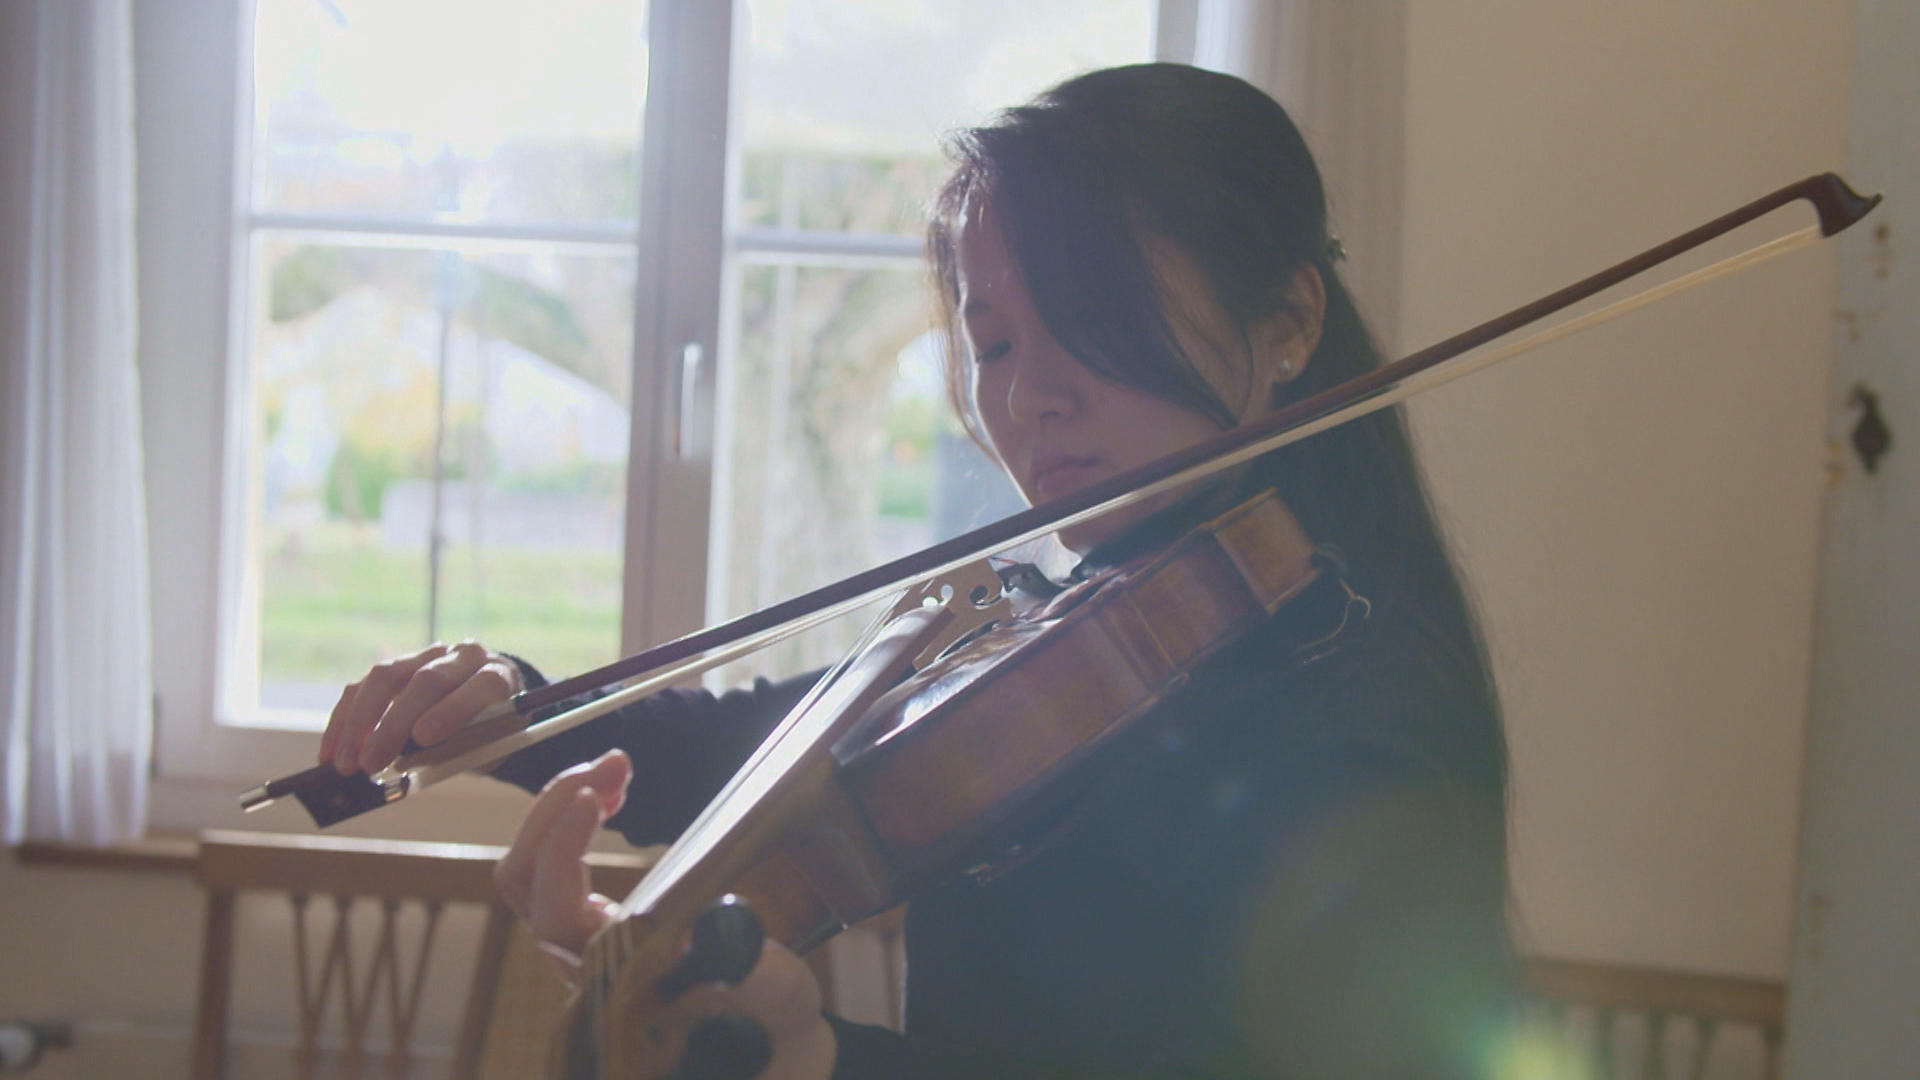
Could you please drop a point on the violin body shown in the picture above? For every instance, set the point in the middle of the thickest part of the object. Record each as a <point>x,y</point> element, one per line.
<point>890,779</point>
<point>960,747</point>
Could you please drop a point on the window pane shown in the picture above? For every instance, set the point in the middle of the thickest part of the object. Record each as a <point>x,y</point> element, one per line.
<point>494,112</point>
<point>443,453</point>
<point>844,101</point>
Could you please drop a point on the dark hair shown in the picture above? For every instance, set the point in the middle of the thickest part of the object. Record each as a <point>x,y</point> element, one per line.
<point>1081,174</point>
<point>1079,180</point>
<point>1205,161</point>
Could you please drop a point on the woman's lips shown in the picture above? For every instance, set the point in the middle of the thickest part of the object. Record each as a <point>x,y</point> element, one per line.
<point>1055,475</point>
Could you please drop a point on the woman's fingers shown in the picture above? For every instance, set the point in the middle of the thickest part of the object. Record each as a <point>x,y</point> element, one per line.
<point>604,782</point>
<point>562,907</point>
<point>362,704</point>
<point>336,722</point>
<point>424,696</point>
<point>449,686</point>
<point>543,877</point>
<point>494,681</point>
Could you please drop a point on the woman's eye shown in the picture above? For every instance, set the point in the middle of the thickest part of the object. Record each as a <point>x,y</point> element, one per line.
<point>992,353</point>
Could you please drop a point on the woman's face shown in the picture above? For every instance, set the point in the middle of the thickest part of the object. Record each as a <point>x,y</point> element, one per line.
<point>1055,425</point>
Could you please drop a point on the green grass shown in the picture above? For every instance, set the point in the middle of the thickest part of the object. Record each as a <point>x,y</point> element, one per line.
<point>334,601</point>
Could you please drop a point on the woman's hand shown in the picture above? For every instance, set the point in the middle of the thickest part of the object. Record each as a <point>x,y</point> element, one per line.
<point>426,696</point>
<point>544,879</point>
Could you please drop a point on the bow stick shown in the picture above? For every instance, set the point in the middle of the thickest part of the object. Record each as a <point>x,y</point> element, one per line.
<point>511,725</point>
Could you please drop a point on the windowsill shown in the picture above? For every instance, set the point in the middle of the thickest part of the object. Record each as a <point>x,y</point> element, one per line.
<point>172,853</point>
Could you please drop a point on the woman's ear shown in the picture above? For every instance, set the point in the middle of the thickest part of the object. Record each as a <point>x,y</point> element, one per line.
<point>1284,341</point>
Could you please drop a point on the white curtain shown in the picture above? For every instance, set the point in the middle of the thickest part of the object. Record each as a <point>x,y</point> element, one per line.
<point>76,682</point>
<point>1263,41</point>
<point>1339,68</point>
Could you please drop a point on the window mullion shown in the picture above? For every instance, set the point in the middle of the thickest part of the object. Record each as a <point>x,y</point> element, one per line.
<point>436,234</point>
<point>676,319</point>
<point>835,248</point>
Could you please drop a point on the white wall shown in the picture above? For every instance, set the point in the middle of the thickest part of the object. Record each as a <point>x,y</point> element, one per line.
<point>1855,989</point>
<point>1638,508</point>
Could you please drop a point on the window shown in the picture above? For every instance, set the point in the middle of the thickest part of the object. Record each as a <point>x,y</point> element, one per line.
<point>503,346</point>
<point>438,279</point>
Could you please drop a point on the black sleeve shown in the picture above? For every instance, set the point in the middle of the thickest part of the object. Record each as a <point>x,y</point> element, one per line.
<point>685,744</point>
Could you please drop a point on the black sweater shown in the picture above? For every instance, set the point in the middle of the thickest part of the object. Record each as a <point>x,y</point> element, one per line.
<point>1296,875</point>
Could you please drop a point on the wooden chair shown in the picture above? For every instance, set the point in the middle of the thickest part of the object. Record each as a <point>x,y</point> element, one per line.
<point>1603,998</point>
<point>405,888</point>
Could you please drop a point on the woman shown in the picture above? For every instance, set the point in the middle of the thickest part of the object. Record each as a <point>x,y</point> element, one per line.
<point>1304,874</point>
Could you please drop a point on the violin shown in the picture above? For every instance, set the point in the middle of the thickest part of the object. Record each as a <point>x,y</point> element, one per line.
<point>903,768</point>
<point>938,745</point>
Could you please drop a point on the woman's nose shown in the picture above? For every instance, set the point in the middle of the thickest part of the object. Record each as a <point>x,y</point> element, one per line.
<point>1043,385</point>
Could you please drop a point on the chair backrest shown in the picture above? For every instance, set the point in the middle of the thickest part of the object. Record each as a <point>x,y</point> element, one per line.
<point>1676,1017</point>
<point>363,998</point>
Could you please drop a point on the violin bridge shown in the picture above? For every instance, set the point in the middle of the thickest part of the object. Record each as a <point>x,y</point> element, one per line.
<point>973,593</point>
